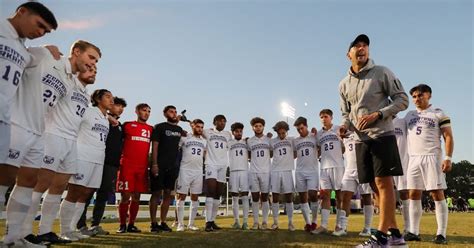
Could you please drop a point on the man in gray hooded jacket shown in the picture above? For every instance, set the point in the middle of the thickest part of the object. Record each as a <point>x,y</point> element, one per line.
<point>370,95</point>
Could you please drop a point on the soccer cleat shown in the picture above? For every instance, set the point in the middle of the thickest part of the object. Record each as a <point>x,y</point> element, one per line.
<point>180,228</point>
<point>52,238</point>
<point>193,228</point>
<point>372,243</point>
<point>291,227</point>
<point>133,229</point>
<point>155,228</point>
<point>175,224</point>
<point>215,226</point>
<point>440,239</point>
<point>398,242</point>
<point>165,228</point>
<point>208,227</point>
<point>320,230</point>
<point>264,226</point>
<point>34,240</point>
<point>89,232</point>
<point>314,226</point>
<point>412,237</point>
<point>23,243</point>
<point>275,226</point>
<point>307,228</point>
<point>235,225</point>
<point>79,235</point>
<point>339,233</point>
<point>365,232</point>
<point>255,226</point>
<point>69,236</point>
<point>98,230</point>
<point>122,229</point>
<point>245,226</point>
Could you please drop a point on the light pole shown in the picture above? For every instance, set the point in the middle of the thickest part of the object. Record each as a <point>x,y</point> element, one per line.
<point>287,111</point>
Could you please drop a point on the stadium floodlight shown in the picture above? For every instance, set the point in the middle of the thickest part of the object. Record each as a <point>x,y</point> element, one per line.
<point>287,111</point>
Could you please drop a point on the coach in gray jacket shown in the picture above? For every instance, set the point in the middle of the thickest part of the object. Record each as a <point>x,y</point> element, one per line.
<point>370,95</point>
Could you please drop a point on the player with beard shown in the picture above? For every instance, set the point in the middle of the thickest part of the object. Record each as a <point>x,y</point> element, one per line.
<point>164,170</point>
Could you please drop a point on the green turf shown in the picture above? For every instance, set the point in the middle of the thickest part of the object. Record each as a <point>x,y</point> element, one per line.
<point>460,234</point>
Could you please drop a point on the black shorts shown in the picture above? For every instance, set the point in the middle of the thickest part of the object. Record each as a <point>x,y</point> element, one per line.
<point>378,158</point>
<point>109,178</point>
<point>166,179</point>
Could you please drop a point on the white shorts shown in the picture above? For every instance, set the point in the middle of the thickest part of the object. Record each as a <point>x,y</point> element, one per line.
<point>26,148</point>
<point>331,178</point>
<point>5,131</point>
<point>239,181</point>
<point>350,182</point>
<point>60,154</point>
<point>189,181</point>
<point>88,174</point>
<point>425,173</point>
<point>215,172</point>
<point>401,182</point>
<point>306,181</point>
<point>281,182</point>
<point>259,182</point>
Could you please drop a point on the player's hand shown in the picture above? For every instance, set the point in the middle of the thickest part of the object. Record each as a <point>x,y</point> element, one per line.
<point>269,135</point>
<point>342,132</point>
<point>447,166</point>
<point>54,50</point>
<point>113,121</point>
<point>366,120</point>
<point>314,131</point>
<point>154,170</point>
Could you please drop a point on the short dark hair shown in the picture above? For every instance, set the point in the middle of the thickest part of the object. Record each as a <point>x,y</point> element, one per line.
<point>97,95</point>
<point>281,125</point>
<point>142,105</point>
<point>422,88</point>
<point>256,120</point>
<point>42,11</point>
<point>198,121</point>
<point>120,101</point>
<point>218,118</point>
<point>236,126</point>
<point>300,120</point>
<point>325,111</point>
<point>168,108</point>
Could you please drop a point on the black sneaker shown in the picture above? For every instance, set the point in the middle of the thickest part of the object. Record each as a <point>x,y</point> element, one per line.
<point>133,229</point>
<point>372,242</point>
<point>165,228</point>
<point>209,227</point>
<point>440,240</point>
<point>52,238</point>
<point>214,226</point>
<point>122,229</point>
<point>155,228</point>
<point>34,240</point>
<point>412,237</point>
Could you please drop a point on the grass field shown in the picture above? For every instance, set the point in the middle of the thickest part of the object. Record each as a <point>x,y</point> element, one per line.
<point>460,234</point>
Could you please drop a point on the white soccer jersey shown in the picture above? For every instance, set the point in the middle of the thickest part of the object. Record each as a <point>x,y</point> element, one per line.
<point>238,155</point>
<point>331,149</point>
<point>92,135</point>
<point>307,157</point>
<point>193,152</point>
<point>259,154</point>
<point>13,60</point>
<point>65,119</point>
<point>42,83</point>
<point>283,157</point>
<point>350,153</point>
<point>424,130</point>
<point>217,147</point>
<point>400,127</point>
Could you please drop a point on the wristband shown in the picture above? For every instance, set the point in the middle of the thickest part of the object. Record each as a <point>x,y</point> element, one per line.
<point>447,158</point>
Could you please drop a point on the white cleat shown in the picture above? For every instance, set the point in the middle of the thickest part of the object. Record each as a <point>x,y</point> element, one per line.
<point>275,226</point>
<point>291,228</point>
<point>365,232</point>
<point>24,244</point>
<point>193,228</point>
<point>320,230</point>
<point>255,226</point>
<point>180,228</point>
<point>79,235</point>
<point>339,233</point>
<point>69,236</point>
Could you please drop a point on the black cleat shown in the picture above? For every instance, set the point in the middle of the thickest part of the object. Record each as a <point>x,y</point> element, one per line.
<point>412,237</point>
<point>209,227</point>
<point>133,229</point>
<point>215,226</point>
<point>34,240</point>
<point>155,228</point>
<point>165,228</point>
<point>52,238</point>
<point>122,229</point>
<point>440,240</point>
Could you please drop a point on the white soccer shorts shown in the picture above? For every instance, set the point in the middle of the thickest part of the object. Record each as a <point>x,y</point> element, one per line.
<point>331,178</point>
<point>259,182</point>
<point>5,133</point>
<point>60,154</point>
<point>425,173</point>
<point>189,181</point>
<point>281,182</point>
<point>350,182</point>
<point>216,172</point>
<point>26,148</point>
<point>88,174</point>
<point>306,181</point>
<point>239,181</point>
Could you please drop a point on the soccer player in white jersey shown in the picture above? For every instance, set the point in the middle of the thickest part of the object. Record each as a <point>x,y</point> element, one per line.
<point>427,168</point>
<point>62,126</point>
<point>331,150</point>
<point>30,21</point>
<point>281,178</point>
<point>260,153</point>
<point>216,162</point>
<point>239,178</point>
<point>190,173</point>
<point>350,186</point>
<point>90,163</point>
<point>400,128</point>
<point>307,172</point>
